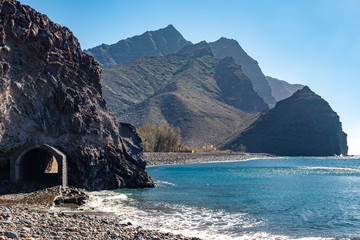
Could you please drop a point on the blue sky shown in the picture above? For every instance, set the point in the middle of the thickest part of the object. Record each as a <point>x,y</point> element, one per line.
<point>312,42</point>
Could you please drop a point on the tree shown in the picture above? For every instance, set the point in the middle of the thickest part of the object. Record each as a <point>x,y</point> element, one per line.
<point>163,138</point>
<point>239,148</point>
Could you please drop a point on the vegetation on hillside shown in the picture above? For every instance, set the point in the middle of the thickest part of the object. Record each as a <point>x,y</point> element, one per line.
<point>160,138</point>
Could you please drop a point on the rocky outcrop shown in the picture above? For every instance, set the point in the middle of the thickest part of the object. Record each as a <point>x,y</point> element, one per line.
<point>50,93</point>
<point>152,43</point>
<point>302,125</point>
<point>230,48</point>
<point>281,89</point>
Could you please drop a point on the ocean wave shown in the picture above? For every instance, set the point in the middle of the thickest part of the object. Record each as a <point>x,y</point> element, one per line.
<point>180,219</point>
<point>164,183</point>
<point>105,201</point>
<point>332,169</point>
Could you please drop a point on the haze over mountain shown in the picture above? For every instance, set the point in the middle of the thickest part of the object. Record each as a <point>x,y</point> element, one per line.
<point>205,97</point>
<point>152,43</point>
<point>281,89</point>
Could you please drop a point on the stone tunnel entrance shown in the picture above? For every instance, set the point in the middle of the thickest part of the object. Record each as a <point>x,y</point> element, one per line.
<point>42,164</point>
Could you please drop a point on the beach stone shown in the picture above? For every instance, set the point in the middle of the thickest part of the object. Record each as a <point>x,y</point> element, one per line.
<point>11,235</point>
<point>24,221</point>
<point>25,229</point>
<point>6,222</point>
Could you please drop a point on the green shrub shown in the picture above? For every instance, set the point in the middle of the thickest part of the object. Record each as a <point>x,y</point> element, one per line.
<point>163,138</point>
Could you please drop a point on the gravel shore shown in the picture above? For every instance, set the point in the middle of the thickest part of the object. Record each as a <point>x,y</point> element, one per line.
<point>24,223</point>
<point>26,212</point>
<point>153,159</point>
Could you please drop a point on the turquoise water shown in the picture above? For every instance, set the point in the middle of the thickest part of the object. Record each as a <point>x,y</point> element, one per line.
<point>282,198</point>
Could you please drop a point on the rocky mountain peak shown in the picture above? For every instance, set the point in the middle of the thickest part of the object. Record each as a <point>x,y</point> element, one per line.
<point>196,50</point>
<point>51,98</point>
<point>231,48</point>
<point>161,42</point>
<point>301,125</point>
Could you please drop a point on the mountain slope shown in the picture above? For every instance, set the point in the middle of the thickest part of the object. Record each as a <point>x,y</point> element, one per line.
<point>230,48</point>
<point>281,89</point>
<point>205,97</point>
<point>302,125</point>
<point>152,43</point>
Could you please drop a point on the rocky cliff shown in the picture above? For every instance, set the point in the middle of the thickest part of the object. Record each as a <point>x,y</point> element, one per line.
<point>302,125</point>
<point>51,94</point>
<point>236,87</point>
<point>230,48</point>
<point>152,43</point>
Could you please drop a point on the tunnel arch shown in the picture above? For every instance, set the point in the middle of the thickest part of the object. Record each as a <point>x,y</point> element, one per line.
<point>38,162</point>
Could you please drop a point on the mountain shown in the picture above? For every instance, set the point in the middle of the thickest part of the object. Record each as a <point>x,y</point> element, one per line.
<point>205,97</point>
<point>230,48</point>
<point>281,89</point>
<point>52,109</point>
<point>152,43</point>
<point>302,125</point>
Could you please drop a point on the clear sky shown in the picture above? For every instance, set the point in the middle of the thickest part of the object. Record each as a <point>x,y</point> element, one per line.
<point>311,42</point>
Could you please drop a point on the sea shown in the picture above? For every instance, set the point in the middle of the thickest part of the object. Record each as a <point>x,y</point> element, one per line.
<point>273,198</point>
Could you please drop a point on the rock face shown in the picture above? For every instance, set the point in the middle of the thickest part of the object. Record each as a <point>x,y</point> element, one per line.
<point>51,95</point>
<point>205,97</point>
<point>230,48</point>
<point>302,125</point>
<point>281,89</point>
<point>153,43</point>
<point>236,87</point>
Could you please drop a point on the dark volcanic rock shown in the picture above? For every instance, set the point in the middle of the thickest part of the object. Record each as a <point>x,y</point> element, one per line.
<point>302,125</point>
<point>51,94</point>
<point>230,48</point>
<point>236,87</point>
<point>152,43</point>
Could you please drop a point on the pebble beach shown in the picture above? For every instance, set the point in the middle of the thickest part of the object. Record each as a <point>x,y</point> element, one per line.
<point>159,158</point>
<point>20,222</point>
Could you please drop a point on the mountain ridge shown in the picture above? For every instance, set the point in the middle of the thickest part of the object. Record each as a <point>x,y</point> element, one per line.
<point>231,48</point>
<point>186,89</point>
<point>188,95</point>
<point>160,42</point>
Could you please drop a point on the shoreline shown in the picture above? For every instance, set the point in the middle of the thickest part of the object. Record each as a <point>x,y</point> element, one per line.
<point>23,217</point>
<point>175,158</point>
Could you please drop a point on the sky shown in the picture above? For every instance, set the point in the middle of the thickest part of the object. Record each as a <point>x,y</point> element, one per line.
<point>311,42</point>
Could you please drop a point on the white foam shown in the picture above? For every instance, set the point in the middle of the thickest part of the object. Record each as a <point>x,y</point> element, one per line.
<point>180,219</point>
<point>164,183</point>
<point>334,169</point>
